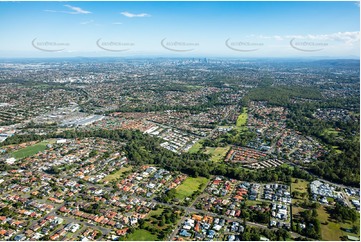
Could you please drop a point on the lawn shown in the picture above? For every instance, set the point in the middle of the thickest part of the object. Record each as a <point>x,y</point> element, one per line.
<point>195,148</point>
<point>152,223</point>
<point>189,186</point>
<point>142,235</point>
<point>296,210</point>
<point>193,87</point>
<point>300,186</point>
<point>336,148</point>
<point>253,203</point>
<point>117,174</point>
<point>242,118</point>
<point>30,150</point>
<point>330,131</point>
<point>285,165</point>
<point>155,213</point>
<point>356,138</point>
<point>153,217</point>
<point>210,150</point>
<point>217,154</point>
<point>333,231</point>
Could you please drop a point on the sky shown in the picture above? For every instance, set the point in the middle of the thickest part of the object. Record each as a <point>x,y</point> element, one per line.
<point>191,29</point>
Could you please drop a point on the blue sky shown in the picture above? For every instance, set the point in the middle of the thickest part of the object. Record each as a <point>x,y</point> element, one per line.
<point>234,29</point>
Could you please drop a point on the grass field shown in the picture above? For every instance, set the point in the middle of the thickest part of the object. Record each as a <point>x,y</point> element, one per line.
<point>334,132</point>
<point>333,231</point>
<point>336,148</point>
<point>153,222</point>
<point>296,210</point>
<point>189,186</point>
<point>195,148</point>
<point>330,131</point>
<point>242,118</point>
<point>285,165</point>
<point>30,150</point>
<point>300,186</point>
<point>356,138</point>
<point>218,153</point>
<point>253,203</point>
<point>117,174</point>
<point>141,235</point>
<point>157,212</point>
<point>193,87</point>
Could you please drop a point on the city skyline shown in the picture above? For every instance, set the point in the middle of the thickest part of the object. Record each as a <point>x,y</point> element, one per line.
<point>180,29</point>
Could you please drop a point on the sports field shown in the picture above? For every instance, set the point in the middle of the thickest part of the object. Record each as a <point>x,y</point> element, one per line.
<point>30,150</point>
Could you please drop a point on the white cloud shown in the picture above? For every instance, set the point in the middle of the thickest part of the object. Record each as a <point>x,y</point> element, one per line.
<point>52,11</point>
<point>276,37</point>
<point>134,15</point>
<point>117,23</point>
<point>76,10</point>
<point>87,22</point>
<point>345,37</point>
